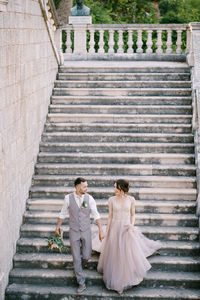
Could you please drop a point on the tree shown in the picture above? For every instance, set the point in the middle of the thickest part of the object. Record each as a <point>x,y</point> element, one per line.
<point>179,11</point>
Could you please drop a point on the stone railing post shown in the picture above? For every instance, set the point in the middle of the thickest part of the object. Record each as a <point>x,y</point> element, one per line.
<point>79,24</point>
<point>80,39</point>
<point>193,56</point>
<point>58,41</point>
<point>189,50</point>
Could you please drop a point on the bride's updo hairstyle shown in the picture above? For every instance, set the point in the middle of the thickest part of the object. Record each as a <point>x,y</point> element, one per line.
<point>122,185</point>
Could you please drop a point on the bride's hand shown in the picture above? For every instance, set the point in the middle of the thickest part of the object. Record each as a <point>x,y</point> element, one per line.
<point>101,235</point>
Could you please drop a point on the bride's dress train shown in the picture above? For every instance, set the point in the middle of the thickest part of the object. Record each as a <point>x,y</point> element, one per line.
<point>124,250</point>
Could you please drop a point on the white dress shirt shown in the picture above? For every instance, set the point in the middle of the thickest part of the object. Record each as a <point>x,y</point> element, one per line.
<point>65,209</point>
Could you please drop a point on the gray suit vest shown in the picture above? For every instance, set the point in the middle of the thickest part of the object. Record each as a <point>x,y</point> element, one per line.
<point>79,218</point>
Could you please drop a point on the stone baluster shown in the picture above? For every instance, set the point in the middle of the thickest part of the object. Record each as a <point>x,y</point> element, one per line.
<point>130,41</point>
<point>149,41</point>
<point>120,42</point>
<point>159,42</point>
<point>111,41</point>
<point>169,41</point>
<point>139,41</point>
<point>68,41</point>
<point>92,42</point>
<point>101,41</point>
<point>179,42</point>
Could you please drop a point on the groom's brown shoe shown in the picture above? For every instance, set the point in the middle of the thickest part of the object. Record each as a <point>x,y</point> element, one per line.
<point>81,288</point>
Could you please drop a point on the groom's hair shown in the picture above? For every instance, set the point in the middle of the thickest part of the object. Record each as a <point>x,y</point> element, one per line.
<point>79,180</point>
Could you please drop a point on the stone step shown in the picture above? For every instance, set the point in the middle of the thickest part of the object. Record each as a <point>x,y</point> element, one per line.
<point>119,109</point>
<point>124,128</point>
<point>116,137</point>
<point>52,292</point>
<point>124,76</point>
<point>124,158</point>
<point>63,261</point>
<point>169,248</point>
<point>172,233</point>
<point>123,91</point>
<point>127,67</point>
<point>121,84</point>
<point>122,100</point>
<point>66,277</point>
<point>76,147</point>
<point>142,206</point>
<point>119,118</point>
<point>108,181</point>
<point>114,169</point>
<point>189,220</point>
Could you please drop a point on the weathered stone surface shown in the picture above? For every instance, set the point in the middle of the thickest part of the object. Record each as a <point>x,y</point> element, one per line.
<point>146,139</point>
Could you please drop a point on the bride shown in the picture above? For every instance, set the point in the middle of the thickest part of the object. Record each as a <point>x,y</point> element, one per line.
<point>124,249</point>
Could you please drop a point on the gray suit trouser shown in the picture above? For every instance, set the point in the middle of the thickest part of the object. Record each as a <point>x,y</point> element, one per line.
<point>78,239</point>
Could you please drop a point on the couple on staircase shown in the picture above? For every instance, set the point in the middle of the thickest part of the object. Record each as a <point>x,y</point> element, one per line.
<point>123,248</point>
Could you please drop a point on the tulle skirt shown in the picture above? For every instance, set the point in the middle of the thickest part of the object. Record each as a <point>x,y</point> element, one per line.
<point>123,255</point>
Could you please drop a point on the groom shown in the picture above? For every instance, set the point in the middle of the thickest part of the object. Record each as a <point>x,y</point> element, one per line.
<point>79,205</point>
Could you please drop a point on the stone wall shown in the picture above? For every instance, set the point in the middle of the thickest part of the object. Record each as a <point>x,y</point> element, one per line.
<point>28,69</point>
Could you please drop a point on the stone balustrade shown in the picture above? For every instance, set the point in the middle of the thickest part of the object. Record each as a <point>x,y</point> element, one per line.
<point>123,39</point>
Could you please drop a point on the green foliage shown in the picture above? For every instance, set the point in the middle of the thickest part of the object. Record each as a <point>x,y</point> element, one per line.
<point>142,11</point>
<point>179,11</point>
<point>56,2</point>
<point>121,11</point>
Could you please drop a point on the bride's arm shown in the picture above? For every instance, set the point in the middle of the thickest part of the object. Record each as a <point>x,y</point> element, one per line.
<point>133,213</point>
<point>110,215</point>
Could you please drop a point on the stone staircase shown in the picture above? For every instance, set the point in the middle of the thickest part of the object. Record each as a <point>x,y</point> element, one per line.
<point>108,121</point>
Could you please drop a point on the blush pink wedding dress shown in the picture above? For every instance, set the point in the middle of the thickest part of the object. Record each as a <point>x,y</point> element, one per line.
<point>124,250</point>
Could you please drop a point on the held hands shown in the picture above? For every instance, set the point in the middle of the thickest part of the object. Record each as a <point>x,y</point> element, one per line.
<point>101,235</point>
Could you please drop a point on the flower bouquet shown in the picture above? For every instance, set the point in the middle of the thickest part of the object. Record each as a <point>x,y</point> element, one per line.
<point>56,242</point>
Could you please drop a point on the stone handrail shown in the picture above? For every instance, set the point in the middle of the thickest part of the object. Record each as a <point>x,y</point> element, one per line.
<point>193,59</point>
<point>124,39</point>
<point>52,24</point>
<point>196,130</point>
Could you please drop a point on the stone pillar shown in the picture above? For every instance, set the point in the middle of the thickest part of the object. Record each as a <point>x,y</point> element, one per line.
<point>80,26</point>
<point>58,41</point>
<point>195,53</point>
<point>193,43</point>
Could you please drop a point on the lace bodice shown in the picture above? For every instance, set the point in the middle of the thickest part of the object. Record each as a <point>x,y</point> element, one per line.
<point>121,208</point>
